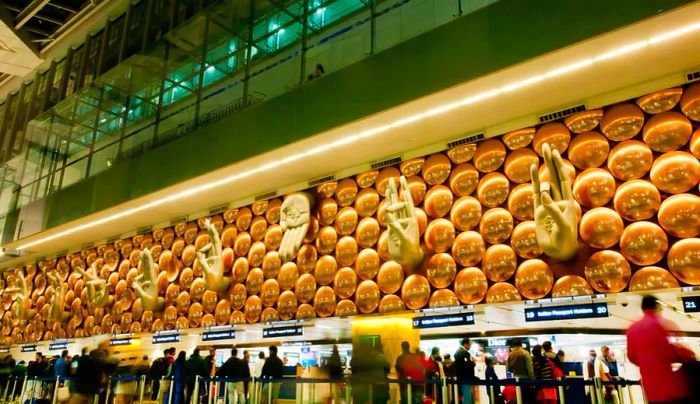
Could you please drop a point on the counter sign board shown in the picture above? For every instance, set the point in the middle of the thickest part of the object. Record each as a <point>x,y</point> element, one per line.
<point>218,335</point>
<point>444,320</point>
<point>691,304</point>
<point>283,332</point>
<point>568,312</point>
<point>164,339</point>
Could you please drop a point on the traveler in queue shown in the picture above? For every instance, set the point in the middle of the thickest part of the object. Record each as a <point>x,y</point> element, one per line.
<point>649,348</point>
<point>195,366</point>
<point>235,368</point>
<point>463,368</point>
<point>273,369</point>
<point>520,365</point>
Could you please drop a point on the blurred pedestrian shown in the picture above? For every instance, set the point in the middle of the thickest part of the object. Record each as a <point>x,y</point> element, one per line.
<point>649,348</point>
<point>369,371</point>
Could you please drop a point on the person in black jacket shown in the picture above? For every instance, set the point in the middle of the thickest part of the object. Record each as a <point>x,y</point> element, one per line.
<point>273,369</point>
<point>237,369</point>
<point>464,370</point>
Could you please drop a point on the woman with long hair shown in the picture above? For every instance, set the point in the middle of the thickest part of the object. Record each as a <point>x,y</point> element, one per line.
<point>543,368</point>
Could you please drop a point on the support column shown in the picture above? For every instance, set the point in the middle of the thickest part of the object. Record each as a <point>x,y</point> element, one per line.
<point>391,332</point>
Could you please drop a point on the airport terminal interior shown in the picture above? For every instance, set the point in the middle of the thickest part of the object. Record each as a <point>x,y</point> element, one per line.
<point>349,201</point>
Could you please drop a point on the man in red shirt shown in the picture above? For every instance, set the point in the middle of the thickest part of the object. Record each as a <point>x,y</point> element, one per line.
<point>649,348</point>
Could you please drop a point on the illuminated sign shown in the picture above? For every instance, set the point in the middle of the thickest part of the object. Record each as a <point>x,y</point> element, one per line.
<point>58,346</point>
<point>29,348</point>
<point>217,335</point>
<point>119,341</point>
<point>568,312</point>
<point>691,304</point>
<point>163,339</point>
<point>283,332</point>
<point>5,350</point>
<point>444,320</point>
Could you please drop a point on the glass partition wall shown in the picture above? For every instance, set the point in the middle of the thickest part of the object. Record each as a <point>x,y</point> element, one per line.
<point>167,67</point>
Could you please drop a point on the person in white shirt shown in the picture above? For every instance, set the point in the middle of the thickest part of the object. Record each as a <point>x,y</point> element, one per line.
<point>258,366</point>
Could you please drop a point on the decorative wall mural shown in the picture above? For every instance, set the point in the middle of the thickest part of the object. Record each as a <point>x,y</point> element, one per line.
<point>611,205</point>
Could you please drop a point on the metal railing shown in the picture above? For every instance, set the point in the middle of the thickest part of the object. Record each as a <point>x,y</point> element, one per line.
<point>345,390</point>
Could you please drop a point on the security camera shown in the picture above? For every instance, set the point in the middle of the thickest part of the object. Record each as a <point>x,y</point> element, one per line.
<point>624,304</point>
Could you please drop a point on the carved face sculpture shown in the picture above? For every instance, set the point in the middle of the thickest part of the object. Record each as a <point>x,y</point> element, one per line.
<point>594,187</point>
<point>555,134</point>
<point>583,121</point>
<point>571,285</point>
<point>367,296</point>
<point>678,215</point>
<point>390,277</point>
<point>195,314</point>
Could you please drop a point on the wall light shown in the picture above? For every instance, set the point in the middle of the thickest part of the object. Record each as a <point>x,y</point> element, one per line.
<point>406,120</point>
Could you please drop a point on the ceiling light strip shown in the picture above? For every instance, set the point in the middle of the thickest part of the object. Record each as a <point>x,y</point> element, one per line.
<point>369,133</point>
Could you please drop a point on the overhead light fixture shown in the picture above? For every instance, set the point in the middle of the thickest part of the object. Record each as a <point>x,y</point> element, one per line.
<point>369,133</point>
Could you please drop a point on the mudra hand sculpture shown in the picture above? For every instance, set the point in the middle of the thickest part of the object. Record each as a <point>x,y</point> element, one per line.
<point>22,308</point>
<point>295,215</point>
<point>555,211</point>
<point>97,290</point>
<point>213,265</point>
<point>56,312</point>
<point>404,235</point>
<point>145,284</point>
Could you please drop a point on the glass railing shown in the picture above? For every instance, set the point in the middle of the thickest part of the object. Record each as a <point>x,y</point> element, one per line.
<point>207,70</point>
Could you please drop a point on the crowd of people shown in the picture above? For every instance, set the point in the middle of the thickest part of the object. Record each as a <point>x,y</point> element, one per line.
<point>173,378</point>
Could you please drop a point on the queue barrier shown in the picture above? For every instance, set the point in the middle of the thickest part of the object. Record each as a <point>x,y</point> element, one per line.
<point>26,389</point>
